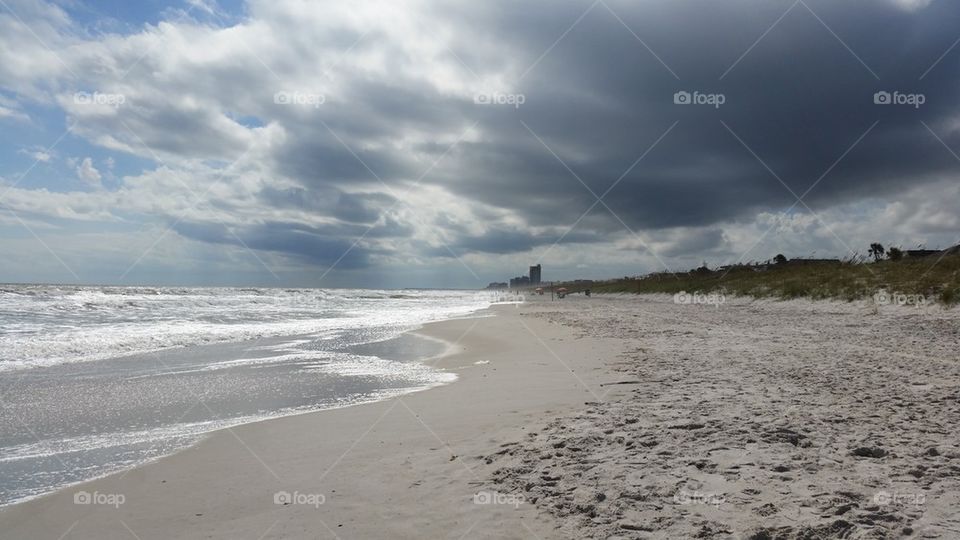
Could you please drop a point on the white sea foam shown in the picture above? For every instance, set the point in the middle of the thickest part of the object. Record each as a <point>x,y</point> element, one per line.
<point>133,410</point>
<point>47,326</point>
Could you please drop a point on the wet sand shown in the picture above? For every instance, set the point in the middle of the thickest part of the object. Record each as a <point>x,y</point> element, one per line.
<point>409,467</point>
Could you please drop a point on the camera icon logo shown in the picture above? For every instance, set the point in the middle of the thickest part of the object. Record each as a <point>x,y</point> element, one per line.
<point>282,498</point>
<point>882,98</point>
<point>82,497</point>
<point>682,297</point>
<point>682,98</point>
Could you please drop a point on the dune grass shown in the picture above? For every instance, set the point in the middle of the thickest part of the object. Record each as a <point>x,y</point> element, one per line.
<point>933,278</point>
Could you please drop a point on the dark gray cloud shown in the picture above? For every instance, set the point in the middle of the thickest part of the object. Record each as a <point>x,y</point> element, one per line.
<point>362,208</point>
<point>501,241</point>
<point>313,245</point>
<point>365,208</point>
<point>798,99</point>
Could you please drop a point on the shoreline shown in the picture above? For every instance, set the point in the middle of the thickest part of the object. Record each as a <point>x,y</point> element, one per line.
<point>386,394</point>
<point>153,509</point>
<point>204,435</point>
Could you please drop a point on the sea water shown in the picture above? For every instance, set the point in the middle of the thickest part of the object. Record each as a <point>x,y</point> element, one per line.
<point>97,379</point>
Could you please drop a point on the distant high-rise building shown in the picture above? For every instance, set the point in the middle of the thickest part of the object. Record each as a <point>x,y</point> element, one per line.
<point>535,275</point>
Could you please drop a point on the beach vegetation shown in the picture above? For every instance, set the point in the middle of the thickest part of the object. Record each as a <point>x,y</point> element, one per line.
<point>936,278</point>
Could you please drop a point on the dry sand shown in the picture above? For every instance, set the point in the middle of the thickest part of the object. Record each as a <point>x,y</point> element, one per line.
<point>626,417</point>
<point>756,420</point>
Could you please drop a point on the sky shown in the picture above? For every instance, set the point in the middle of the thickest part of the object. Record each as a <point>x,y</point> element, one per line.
<point>421,143</point>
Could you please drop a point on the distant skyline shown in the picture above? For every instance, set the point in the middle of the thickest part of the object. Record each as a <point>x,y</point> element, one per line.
<point>452,144</point>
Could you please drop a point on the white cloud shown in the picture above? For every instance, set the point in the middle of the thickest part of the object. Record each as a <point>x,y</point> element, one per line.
<point>912,5</point>
<point>207,6</point>
<point>13,114</point>
<point>40,155</point>
<point>88,173</point>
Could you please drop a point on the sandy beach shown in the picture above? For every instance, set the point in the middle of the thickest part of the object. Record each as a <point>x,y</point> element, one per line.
<point>604,417</point>
<point>404,468</point>
<point>755,419</point>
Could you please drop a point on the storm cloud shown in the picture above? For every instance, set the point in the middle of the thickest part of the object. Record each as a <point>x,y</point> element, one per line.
<point>395,134</point>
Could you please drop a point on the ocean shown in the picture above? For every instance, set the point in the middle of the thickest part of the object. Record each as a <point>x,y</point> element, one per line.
<point>98,379</point>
